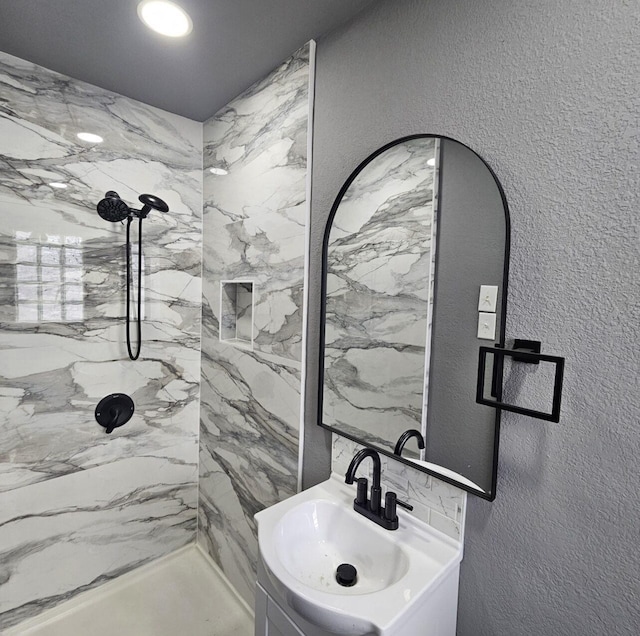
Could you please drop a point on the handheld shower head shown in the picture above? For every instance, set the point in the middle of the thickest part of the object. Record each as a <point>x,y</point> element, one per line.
<point>151,202</point>
<point>113,208</point>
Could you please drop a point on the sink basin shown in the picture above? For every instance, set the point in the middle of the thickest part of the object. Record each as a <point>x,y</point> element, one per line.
<point>315,537</point>
<point>304,539</point>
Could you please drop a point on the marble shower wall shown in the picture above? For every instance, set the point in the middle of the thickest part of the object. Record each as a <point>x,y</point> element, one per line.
<point>380,273</point>
<point>254,231</point>
<point>79,506</point>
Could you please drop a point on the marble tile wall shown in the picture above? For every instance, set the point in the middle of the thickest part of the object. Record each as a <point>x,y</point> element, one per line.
<point>78,506</point>
<point>254,230</point>
<point>435,502</point>
<point>380,295</point>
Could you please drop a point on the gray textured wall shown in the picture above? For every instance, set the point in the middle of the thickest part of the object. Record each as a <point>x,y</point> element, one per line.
<point>547,93</point>
<point>472,230</point>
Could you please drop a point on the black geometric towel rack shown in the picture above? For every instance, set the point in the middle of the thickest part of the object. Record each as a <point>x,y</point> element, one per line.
<point>528,352</point>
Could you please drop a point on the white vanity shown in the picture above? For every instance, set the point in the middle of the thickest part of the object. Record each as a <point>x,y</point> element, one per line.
<point>407,579</point>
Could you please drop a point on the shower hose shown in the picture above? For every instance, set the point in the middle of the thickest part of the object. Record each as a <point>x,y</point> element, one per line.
<point>134,356</point>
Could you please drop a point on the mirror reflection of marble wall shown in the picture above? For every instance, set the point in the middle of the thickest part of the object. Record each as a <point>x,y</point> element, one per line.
<point>401,342</point>
<point>379,296</point>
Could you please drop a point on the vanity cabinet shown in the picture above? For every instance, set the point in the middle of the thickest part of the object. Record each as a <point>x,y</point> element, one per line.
<point>271,619</point>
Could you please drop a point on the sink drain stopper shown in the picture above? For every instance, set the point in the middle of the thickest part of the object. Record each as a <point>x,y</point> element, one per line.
<point>346,575</point>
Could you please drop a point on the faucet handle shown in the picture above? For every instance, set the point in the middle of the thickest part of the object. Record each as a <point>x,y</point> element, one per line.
<point>390,502</point>
<point>390,506</point>
<point>404,504</point>
<point>361,492</point>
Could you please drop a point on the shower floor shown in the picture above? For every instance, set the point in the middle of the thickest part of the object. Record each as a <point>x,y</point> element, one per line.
<point>183,593</point>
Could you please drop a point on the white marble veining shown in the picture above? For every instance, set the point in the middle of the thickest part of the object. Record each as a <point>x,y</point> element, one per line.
<point>435,502</point>
<point>61,536</point>
<point>254,229</point>
<point>255,214</point>
<point>63,339</point>
<point>379,296</point>
<point>182,593</point>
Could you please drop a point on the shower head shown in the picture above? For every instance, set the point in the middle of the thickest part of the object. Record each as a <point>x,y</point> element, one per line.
<point>151,202</point>
<point>113,208</point>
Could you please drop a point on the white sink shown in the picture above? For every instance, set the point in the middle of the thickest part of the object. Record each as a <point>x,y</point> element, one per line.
<point>312,539</point>
<point>305,538</point>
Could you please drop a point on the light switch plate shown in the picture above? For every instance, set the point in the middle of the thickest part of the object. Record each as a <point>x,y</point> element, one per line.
<point>488,298</point>
<point>486,326</point>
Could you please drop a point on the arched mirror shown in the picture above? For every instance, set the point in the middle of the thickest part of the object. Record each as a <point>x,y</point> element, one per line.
<point>416,254</point>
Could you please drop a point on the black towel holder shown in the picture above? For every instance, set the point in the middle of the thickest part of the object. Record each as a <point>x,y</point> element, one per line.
<point>526,351</point>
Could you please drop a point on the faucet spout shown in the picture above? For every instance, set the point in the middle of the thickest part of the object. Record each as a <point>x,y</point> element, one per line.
<point>405,437</point>
<point>372,508</point>
<point>355,462</point>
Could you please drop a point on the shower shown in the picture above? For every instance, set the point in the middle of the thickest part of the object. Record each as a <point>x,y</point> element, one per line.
<point>113,208</point>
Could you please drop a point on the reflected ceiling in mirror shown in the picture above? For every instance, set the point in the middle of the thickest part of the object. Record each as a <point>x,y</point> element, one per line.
<point>413,233</point>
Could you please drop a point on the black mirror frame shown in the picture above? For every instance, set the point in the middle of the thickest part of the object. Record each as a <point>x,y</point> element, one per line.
<point>491,494</point>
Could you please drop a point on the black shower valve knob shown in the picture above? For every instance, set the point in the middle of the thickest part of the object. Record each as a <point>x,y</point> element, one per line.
<point>114,410</point>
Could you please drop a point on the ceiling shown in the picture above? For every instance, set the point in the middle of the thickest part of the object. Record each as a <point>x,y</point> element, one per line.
<point>233,44</point>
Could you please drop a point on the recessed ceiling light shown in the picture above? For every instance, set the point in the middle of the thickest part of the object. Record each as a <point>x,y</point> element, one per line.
<point>431,162</point>
<point>165,17</point>
<point>220,171</point>
<point>58,184</point>
<point>90,137</point>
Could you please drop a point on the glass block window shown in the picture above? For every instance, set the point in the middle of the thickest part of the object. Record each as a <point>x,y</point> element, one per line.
<point>49,279</point>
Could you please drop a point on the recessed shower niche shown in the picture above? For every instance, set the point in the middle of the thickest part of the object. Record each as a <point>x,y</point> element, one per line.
<point>236,312</point>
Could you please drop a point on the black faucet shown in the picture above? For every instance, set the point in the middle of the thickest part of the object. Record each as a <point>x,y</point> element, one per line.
<point>405,437</point>
<point>371,508</point>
